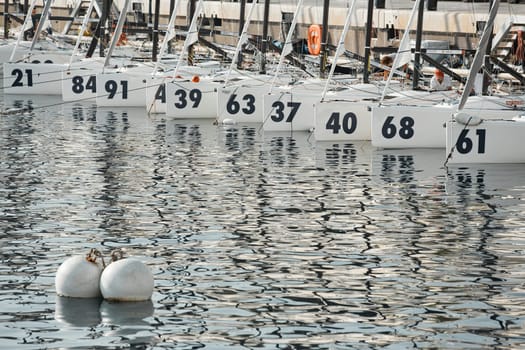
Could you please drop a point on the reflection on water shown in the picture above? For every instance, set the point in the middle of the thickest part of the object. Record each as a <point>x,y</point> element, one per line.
<point>256,240</point>
<point>78,312</point>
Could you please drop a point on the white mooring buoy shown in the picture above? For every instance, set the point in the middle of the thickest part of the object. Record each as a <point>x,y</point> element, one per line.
<point>79,276</point>
<point>127,279</point>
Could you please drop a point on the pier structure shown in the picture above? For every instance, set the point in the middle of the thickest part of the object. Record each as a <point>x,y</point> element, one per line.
<point>457,23</point>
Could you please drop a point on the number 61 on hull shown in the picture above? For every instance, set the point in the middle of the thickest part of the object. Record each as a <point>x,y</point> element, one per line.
<point>492,141</point>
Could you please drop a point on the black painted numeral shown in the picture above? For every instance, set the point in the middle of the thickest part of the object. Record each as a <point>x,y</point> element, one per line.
<point>111,87</point>
<point>348,124</point>
<point>279,110</point>
<point>19,77</point>
<point>465,144</point>
<point>406,128</point>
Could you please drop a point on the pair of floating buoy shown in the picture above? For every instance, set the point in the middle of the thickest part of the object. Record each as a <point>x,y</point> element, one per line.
<point>124,279</point>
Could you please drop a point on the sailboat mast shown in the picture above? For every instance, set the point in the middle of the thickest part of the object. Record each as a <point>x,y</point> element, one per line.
<point>41,22</point>
<point>478,57</point>
<point>368,40</point>
<point>324,39</point>
<point>85,21</point>
<point>172,8</point>
<point>155,48</point>
<point>340,48</point>
<point>191,49</point>
<point>6,19</point>
<point>170,34</point>
<point>100,30</point>
<point>117,32</point>
<point>488,62</point>
<point>241,27</point>
<point>21,34</point>
<point>264,47</point>
<point>417,54</point>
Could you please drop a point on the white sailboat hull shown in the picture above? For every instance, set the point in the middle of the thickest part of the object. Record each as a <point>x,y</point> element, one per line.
<point>284,111</point>
<point>186,99</point>
<point>33,78</point>
<point>241,104</point>
<point>342,121</point>
<point>409,126</point>
<point>491,141</point>
<point>79,84</point>
<point>121,90</point>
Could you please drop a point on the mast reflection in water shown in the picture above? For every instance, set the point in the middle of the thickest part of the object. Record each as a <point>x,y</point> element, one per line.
<point>256,240</point>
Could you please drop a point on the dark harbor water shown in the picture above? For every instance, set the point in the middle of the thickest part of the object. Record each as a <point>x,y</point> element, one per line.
<point>255,240</point>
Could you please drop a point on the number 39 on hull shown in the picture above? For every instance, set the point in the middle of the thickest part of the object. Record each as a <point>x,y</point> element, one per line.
<point>191,99</point>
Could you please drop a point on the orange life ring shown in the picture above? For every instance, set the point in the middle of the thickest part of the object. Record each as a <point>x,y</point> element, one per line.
<point>122,40</point>
<point>314,39</point>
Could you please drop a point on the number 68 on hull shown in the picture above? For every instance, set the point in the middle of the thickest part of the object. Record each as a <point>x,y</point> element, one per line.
<point>409,126</point>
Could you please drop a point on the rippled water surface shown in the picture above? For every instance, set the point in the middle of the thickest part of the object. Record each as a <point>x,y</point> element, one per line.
<point>255,240</point>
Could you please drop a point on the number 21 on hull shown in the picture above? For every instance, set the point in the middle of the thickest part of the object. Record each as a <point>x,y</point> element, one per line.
<point>342,120</point>
<point>33,78</point>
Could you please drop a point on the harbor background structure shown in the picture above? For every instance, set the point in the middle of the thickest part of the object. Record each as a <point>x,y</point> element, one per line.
<point>457,23</point>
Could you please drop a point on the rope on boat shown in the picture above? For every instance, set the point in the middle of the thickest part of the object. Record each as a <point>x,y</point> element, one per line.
<point>454,146</point>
